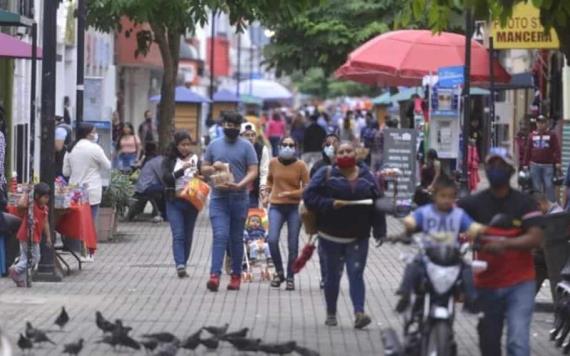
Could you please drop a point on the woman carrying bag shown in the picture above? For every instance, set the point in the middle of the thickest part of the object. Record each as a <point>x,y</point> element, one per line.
<point>179,168</point>
<point>343,198</point>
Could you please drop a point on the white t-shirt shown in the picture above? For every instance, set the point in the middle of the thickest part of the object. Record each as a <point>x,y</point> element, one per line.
<point>188,172</point>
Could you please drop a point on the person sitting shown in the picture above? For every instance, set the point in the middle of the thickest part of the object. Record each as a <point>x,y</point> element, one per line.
<point>441,223</point>
<point>256,238</point>
<point>149,187</point>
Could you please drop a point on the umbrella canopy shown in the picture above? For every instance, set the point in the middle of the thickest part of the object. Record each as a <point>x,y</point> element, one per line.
<point>185,95</point>
<point>11,47</point>
<point>225,96</point>
<point>267,90</point>
<point>405,57</point>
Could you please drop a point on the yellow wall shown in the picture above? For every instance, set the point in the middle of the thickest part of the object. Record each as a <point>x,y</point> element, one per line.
<point>186,117</point>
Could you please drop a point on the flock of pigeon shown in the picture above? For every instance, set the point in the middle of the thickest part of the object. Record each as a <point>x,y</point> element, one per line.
<point>117,335</point>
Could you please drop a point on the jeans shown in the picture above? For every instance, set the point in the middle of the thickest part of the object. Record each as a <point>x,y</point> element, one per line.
<point>515,304</point>
<point>126,160</point>
<point>182,218</point>
<point>278,215</point>
<point>227,215</point>
<point>541,175</point>
<point>274,145</point>
<point>94,213</point>
<point>22,264</point>
<point>254,249</point>
<point>322,263</point>
<point>354,255</point>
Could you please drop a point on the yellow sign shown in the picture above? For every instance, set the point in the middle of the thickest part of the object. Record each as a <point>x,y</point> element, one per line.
<point>523,30</point>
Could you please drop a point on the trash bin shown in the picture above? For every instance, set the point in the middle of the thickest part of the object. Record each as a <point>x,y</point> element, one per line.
<point>556,246</point>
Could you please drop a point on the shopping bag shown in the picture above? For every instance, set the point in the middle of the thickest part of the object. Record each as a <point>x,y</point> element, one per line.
<point>196,192</point>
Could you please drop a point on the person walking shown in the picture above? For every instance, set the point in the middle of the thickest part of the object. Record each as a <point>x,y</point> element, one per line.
<point>228,202</point>
<point>84,164</point>
<point>257,189</point>
<point>344,228</point>
<point>313,141</point>
<point>275,132</point>
<point>286,180</point>
<point>128,147</point>
<point>298,128</point>
<point>507,287</point>
<point>147,130</point>
<point>543,157</point>
<point>178,168</point>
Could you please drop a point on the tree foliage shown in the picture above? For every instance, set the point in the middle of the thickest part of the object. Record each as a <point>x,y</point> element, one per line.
<point>314,82</point>
<point>171,19</point>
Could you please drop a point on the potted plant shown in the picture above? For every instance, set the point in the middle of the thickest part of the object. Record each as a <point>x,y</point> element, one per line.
<point>115,200</point>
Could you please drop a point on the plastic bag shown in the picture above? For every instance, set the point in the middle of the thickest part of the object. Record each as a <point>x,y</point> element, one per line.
<point>196,192</point>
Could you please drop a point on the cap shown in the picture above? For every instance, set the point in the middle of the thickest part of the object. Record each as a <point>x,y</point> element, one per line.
<point>247,126</point>
<point>541,118</point>
<point>60,134</point>
<point>502,153</point>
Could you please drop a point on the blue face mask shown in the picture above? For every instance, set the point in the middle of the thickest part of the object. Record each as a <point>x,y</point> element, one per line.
<point>498,177</point>
<point>286,152</point>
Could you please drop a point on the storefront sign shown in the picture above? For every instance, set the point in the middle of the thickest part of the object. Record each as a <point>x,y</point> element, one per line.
<point>523,30</point>
<point>450,77</point>
<point>400,153</point>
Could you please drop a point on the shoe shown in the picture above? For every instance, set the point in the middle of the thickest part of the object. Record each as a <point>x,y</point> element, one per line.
<point>331,320</point>
<point>181,271</point>
<point>403,303</point>
<point>235,282</point>
<point>157,219</point>
<point>290,284</point>
<point>228,265</point>
<point>16,277</point>
<point>361,320</point>
<point>269,262</point>
<point>213,283</point>
<point>278,278</point>
<point>87,259</point>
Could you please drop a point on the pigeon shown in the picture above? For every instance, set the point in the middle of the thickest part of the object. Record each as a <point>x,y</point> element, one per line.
<point>217,330</point>
<point>168,349</point>
<point>73,348</point>
<point>30,330</point>
<point>192,341</point>
<point>24,343</point>
<point>125,340</point>
<point>279,349</point>
<point>211,343</point>
<point>105,325</point>
<point>109,340</point>
<point>149,344</point>
<point>244,344</point>
<point>62,318</point>
<point>40,337</point>
<point>163,337</point>
<point>303,351</point>
<point>235,334</point>
<point>120,329</point>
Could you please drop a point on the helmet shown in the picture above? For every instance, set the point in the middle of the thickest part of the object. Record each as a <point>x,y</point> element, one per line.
<point>524,179</point>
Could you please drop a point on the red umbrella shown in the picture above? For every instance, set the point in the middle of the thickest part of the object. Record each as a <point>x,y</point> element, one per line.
<point>405,57</point>
<point>305,255</point>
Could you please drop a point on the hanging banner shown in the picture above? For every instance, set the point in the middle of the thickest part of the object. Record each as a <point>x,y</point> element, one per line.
<point>450,77</point>
<point>400,153</point>
<point>523,30</point>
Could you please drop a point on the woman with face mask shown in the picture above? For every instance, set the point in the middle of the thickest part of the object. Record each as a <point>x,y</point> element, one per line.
<point>84,164</point>
<point>286,180</point>
<point>345,226</point>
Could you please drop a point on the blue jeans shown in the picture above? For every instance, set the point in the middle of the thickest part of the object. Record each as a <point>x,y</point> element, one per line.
<point>541,175</point>
<point>354,255</point>
<point>515,304</point>
<point>278,215</point>
<point>182,218</point>
<point>22,264</point>
<point>94,213</point>
<point>227,215</point>
<point>126,160</point>
<point>274,145</point>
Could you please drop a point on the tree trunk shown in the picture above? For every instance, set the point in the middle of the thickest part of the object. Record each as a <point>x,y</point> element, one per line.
<point>564,37</point>
<point>168,41</point>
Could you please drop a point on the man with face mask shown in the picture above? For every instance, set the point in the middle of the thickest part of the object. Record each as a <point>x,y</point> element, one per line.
<point>229,202</point>
<point>507,287</point>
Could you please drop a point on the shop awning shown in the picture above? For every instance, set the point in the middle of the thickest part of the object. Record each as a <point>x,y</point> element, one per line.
<point>225,96</point>
<point>11,47</point>
<point>518,81</point>
<point>13,19</point>
<point>184,95</point>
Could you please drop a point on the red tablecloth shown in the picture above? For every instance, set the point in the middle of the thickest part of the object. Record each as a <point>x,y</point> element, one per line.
<point>74,222</point>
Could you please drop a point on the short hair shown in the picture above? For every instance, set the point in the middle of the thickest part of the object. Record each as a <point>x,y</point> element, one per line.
<point>443,182</point>
<point>41,189</point>
<point>232,116</point>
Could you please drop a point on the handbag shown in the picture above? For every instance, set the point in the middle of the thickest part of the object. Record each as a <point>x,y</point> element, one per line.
<point>196,192</point>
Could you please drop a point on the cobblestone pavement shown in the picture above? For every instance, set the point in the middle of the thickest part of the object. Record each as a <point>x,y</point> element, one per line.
<point>134,279</point>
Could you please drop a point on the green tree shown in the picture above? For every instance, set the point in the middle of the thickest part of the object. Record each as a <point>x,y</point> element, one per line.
<point>171,19</point>
<point>314,82</point>
<point>553,14</point>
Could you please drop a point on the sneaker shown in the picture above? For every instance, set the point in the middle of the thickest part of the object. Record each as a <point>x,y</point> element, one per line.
<point>403,303</point>
<point>278,278</point>
<point>361,321</point>
<point>331,320</point>
<point>181,271</point>
<point>213,283</point>
<point>235,282</point>
<point>157,219</point>
<point>290,284</point>
<point>16,277</point>
<point>87,259</point>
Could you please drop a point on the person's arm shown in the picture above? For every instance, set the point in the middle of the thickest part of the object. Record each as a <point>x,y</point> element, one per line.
<point>527,151</point>
<point>437,169</point>
<point>207,163</point>
<point>66,165</point>
<point>315,196</point>
<point>531,239</point>
<point>298,193</point>
<point>101,158</point>
<point>47,233</point>
<point>556,150</point>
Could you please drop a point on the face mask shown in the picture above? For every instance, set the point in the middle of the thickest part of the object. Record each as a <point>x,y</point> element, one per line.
<point>498,177</point>
<point>346,161</point>
<point>95,138</point>
<point>232,134</point>
<point>286,152</point>
<point>329,151</point>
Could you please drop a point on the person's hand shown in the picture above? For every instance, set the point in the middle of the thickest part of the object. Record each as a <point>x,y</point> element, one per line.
<point>230,186</point>
<point>337,204</point>
<point>265,200</point>
<point>284,194</point>
<point>188,165</point>
<point>494,247</point>
<point>49,243</point>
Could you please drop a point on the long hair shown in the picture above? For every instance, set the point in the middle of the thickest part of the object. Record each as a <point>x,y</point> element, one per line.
<point>179,136</point>
<point>122,134</point>
<point>83,130</point>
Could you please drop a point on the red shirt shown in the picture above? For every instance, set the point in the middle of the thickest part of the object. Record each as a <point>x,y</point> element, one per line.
<point>542,148</point>
<point>40,218</point>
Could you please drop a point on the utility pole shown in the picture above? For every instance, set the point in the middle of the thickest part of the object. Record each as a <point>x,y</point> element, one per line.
<point>466,100</point>
<point>238,79</point>
<point>81,13</point>
<point>48,271</point>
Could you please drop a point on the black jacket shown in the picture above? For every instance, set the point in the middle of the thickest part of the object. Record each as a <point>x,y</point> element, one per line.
<point>325,161</point>
<point>315,135</point>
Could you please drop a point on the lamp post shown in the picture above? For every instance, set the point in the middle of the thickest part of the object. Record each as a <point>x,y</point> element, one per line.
<point>81,13</point>
<point>466,101</point>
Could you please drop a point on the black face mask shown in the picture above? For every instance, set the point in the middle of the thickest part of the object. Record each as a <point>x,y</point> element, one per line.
<point>231,134</point>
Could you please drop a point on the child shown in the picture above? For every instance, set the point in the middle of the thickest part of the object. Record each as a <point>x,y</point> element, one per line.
<point>255,238</point>
<point>41,225</point>
<point>441,222</point>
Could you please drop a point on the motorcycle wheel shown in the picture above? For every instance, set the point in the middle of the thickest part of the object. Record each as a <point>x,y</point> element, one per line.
<point>439,340</point>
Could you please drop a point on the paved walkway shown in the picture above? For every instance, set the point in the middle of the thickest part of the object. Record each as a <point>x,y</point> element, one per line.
<point>134,279</point>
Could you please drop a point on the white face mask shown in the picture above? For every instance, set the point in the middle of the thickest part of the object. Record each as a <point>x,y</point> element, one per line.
<point>329,151</point>
<point>95,137</point>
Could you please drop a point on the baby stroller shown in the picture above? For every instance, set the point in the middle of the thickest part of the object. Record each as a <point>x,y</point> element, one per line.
<point>256,250</point>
